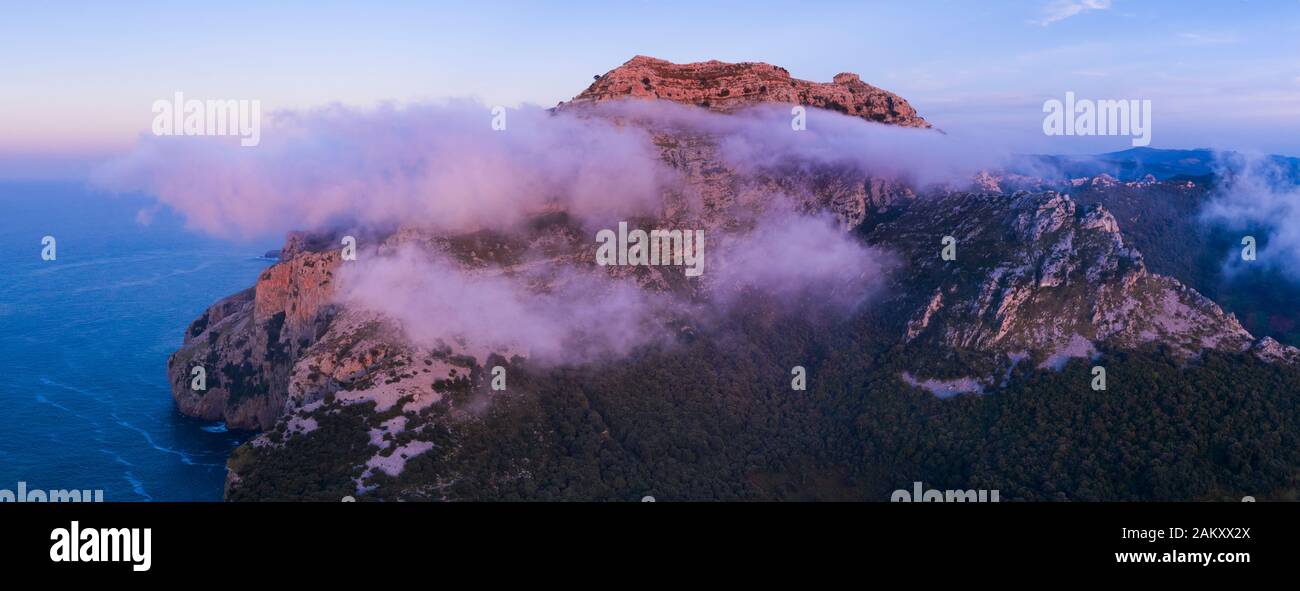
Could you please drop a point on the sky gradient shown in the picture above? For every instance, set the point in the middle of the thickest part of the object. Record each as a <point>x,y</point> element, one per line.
<point>77,79</point>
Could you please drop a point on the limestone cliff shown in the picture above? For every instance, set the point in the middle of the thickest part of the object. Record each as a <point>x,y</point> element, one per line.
<point>1036,273</point>
<point>724,87</point>
<point>248,342</point>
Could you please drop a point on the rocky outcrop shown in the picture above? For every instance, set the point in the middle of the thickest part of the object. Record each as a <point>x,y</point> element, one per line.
<point>723,87</point>
<point>247,343</point>
<point>725,195</point>
<point>1272,351</point>
<point>1036,273</point>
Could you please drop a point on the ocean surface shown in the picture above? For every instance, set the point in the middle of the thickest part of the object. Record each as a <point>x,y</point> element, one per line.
<point>84,341</point>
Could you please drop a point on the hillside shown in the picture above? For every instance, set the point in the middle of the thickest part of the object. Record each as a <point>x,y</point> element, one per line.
<point>358,396</point>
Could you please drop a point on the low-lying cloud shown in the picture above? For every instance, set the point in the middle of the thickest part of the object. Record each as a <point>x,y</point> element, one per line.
<point>442,165</point>
<point>793,256</point>
<point>578,313</point>
<point>445,169</point>
<point>761,138</point>
<point>1259,192</point>
<point>582,316</point>
<point>438,165</point>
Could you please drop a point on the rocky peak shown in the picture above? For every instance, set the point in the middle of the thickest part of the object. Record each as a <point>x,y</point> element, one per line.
<point>297,242</point>
<point>987,182</point>
<point>1039,274</point>
<point>1104,180</point>
<point>724,87</point>
<point>1269,349</point>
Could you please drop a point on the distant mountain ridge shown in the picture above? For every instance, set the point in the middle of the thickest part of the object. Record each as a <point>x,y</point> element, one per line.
<point>1136,163</point>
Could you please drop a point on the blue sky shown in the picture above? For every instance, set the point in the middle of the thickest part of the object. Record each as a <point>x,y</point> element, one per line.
<point>78,79</point>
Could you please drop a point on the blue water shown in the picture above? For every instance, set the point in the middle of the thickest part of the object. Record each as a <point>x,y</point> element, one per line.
<point>84,340</point>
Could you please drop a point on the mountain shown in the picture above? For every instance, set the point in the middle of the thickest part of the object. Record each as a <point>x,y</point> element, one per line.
<point>1136,163</point>
<point>352,400</point>
<point>1048,278</point>
<point>1165,221</point>
<point>723,87</point>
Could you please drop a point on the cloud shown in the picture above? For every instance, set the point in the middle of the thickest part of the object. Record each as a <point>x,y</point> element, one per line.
<point>575,312</point>
<point>760,138</point>
<point>1206,38</point>
<point>442,169</point>
<point>1260,193</point>
<point>440,165</point>
<point>791,257</point>
<point>585,316</point>
<point>443,166</point>
<point>1060,10</point>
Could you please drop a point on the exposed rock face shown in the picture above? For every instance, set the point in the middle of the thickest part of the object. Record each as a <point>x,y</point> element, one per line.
<point>851,194</point>
<point>1035,273</point>
<point>723,87</point>
<point>1269,349</point>
<point>247,343</point>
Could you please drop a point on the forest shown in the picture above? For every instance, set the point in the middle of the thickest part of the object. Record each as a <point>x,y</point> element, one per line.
<point>714,417</point>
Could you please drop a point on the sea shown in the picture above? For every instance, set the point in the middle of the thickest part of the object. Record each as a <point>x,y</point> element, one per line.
<point>84,340</point>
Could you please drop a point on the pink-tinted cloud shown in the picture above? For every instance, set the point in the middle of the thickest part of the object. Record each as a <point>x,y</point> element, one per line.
<point>437,165</point>
<point>444,168</point>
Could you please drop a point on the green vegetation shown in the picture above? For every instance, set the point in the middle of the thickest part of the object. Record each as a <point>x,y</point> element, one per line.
<point>715,418</point>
